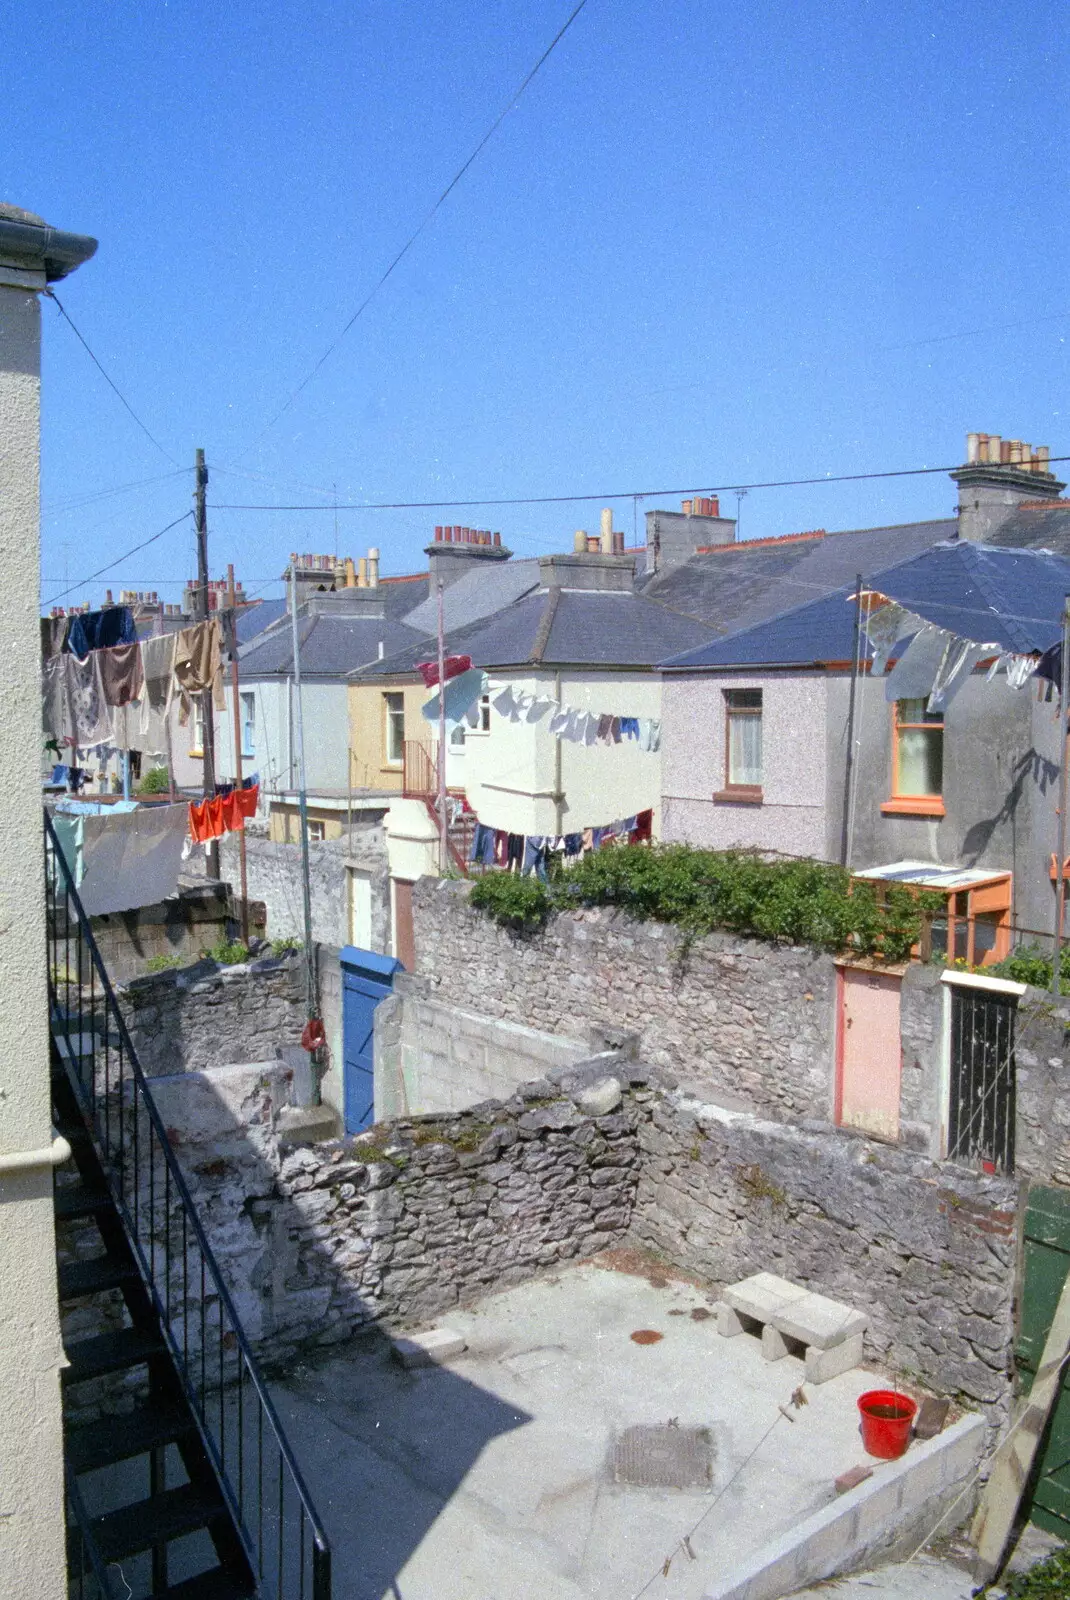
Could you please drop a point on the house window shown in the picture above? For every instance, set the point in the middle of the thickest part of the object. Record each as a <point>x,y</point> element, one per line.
<point>743,745</point>
<point>484,713</point>
<point>394,713</point>
<point>196,746</point>
<point>317,829</point>
<point>917,760</point>
<point>248,724</point>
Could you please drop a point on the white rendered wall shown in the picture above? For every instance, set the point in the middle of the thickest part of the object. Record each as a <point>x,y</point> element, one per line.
<point>32,1551</point>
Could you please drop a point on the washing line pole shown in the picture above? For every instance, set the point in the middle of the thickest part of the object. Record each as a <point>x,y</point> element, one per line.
<point>845,832</point>
<point>232,613</point>
<point>443,828</point>
<point>302,797</point>
<point>1064,756</point>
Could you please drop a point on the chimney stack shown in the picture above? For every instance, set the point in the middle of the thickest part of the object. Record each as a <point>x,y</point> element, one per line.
<point>999,474</point>
<point>373,567</point>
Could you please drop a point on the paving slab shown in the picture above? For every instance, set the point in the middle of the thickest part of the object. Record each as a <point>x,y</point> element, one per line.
<point>493,1478</point>
<point>761,1295</point>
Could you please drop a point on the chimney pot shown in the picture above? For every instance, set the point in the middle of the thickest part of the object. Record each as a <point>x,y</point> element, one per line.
<point>994,448</point>
<point>1042,458</point>
<point>362,573</point>
<point>497,539</point>
<point>973,441</point>
<point>579,540</point>
<point>373,566</point>
<point>685,507</point>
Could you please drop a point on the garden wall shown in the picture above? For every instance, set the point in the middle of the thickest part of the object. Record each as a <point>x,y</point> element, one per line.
<point>273,871</point>
<point>734,1016</point>
<point>207,1016</point>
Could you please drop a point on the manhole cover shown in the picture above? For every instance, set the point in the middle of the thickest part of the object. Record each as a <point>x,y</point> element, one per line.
<point>663,1457</point>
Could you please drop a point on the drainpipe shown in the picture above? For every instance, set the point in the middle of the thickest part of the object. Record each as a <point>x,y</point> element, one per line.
<point>51,1155</point>
<point>1064,753</point>
<point>558,795</point>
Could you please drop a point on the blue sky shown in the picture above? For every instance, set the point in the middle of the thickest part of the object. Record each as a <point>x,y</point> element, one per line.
<point>712,244</point>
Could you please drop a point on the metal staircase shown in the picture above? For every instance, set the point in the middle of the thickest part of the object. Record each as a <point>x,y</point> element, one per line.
<point>180,1481</point>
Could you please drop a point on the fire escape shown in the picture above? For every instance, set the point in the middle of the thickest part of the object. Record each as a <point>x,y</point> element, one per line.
<point>180,1480</point>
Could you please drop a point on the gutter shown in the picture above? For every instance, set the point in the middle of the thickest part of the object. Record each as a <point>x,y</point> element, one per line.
<point>33,245</point>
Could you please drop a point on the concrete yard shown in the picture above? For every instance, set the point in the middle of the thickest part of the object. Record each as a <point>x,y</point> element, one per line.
<point>493,1478</point>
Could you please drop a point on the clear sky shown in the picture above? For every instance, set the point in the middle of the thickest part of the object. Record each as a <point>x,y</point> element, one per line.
<point>712,244</point>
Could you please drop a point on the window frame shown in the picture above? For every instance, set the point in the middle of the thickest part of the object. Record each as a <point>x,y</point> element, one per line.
<point>915,805</point>
<point>740,793</point>
<point>248,723</point>
<point>196,727</point>
<point>389,714</point>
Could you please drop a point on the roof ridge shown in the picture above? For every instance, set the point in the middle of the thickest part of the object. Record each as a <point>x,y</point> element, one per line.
<point>753,544</point>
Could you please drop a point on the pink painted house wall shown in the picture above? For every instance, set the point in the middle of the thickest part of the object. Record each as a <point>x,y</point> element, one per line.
<point>792,815</point>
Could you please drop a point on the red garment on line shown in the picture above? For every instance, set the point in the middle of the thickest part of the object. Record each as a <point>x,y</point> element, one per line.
<point>206,820</point>
<point>454,665</point>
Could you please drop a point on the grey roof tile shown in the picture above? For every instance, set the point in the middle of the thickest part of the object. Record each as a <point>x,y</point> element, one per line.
<point>331,646</point>
<point>476,595</point>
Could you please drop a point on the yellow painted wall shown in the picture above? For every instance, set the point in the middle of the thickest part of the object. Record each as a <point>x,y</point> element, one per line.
<point>284,821</point>
<point>367,733</point>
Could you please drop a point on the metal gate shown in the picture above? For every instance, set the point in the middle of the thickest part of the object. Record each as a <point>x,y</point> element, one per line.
<point>367,979</point>
<point>982,1099</point>
<point>1046,1260</point>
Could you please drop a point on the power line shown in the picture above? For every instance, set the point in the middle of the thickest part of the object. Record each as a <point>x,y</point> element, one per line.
<point>76,502</point>
<point>615,494</point>
<point>111,384</point>
<point>407,246</point>
<point>119,559</point>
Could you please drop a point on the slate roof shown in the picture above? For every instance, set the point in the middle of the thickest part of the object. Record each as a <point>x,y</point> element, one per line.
<point>331,646</point>
<point>1041,526</point>
<point>1009,597</point>
<point>562,628</point>
<point>257,618</point>
<point>737,585</point>
<point>477,594</point>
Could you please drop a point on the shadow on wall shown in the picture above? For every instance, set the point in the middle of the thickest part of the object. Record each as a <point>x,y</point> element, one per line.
<point>417,1431</point>
<point>1032,768</point>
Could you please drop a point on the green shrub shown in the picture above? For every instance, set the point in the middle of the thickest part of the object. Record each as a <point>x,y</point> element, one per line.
<point>227,952</point>
<point>1027,964</point>
<point>1050,1580</point>
<point>279,947</point>
<point>798,901</point>
<point>162,963</point>
<point>155,781</point>
<point>520,903</point>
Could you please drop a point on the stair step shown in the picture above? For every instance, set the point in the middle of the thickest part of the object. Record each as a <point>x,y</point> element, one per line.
<point>163,1516</point>
<point>216,1584</point>
<point>93,1276</point>
<point>79,1200</point>
<point>99,1444</point>
<point>110,1352</point>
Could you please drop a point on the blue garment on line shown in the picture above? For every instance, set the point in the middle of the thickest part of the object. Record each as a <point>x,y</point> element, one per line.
<point>534,856</point>
<point>100,630</point>
<point>629,727</point>
<point>483,846</point>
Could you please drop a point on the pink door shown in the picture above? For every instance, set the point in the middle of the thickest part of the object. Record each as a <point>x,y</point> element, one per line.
<point>869,1053</point>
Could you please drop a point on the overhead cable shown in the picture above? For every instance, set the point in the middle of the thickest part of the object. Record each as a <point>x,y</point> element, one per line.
<point>411,240</point>
<point>119,559</point>
<point>109,381</point>
<point>615,494</point>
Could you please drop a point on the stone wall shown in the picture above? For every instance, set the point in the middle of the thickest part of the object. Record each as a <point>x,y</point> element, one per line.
<point>928,1251</point>
<point>273,871</point>
<point>421,1214</point>
<point>1042,1056</point>
<point>431,1057</point>
<point>194,920</point>
<point>735,1016</point>
<point>207,1016</point>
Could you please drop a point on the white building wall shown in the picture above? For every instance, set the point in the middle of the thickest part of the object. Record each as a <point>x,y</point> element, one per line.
<point>326,720</point>
<point>32,1550</point>
<point>510,773</point>
<point>792,815</point>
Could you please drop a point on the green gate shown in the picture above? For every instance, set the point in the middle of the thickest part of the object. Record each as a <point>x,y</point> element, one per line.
<point>1046,1263</point>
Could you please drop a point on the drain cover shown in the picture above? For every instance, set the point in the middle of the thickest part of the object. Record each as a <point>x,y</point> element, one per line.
<point>663,1457</point>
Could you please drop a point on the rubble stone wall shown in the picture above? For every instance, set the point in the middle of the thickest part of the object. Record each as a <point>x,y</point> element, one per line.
<point>204,1016</point>
<point>730,1016</point>
<point>273,873</point>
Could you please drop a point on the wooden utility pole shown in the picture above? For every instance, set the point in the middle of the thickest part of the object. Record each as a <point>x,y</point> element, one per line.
<point>207,709</point>
<point>848,772</point>
<point>232,616</point>
<point>312,1004</point>
<point>1064,757</point>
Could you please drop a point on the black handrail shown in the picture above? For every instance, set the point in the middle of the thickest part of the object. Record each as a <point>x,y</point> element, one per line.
<point>211,1352</point>
<point>83,1558</point>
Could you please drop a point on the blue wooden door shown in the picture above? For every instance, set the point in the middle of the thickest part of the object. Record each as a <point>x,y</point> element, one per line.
<point>367,979</point>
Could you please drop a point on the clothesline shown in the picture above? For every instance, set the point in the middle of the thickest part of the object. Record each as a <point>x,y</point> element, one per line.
<point>528,853</point>
<point>101,685</point>
<point>466,685</point>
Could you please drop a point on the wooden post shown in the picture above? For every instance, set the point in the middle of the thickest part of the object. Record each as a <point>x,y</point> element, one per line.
<point>207,709</point>
<point>443,825</point>
<point>232,614</point>
<point>845,831</point>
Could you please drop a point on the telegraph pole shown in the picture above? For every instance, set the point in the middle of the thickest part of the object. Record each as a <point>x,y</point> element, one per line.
<point>207,709</point>
<point>232,613</point>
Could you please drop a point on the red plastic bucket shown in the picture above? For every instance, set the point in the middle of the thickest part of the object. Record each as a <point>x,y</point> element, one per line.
<point>887,1418</point>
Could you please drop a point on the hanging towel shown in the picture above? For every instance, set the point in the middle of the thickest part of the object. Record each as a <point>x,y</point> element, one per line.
<point>884,627</point>
<point>453,667</point>
<point>643,831</point>
<point>914,673</point>
<point>56,716</point>
<point>560,721</point>
<point>505,703</point>
<point>573,844</point>
<point>459,693</point>
<point>99,630</point>
<point>132,860</point>
<point>121,674</point>
<point>539,707</point>
<point>199,665</point>
<point>53,635</point>
<point>91,716</point>
<point>158,666</point>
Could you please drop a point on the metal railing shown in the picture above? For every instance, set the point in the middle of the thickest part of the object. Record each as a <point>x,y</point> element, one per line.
<point>419,776</point>
<point>87,1576</point>
<point>259,1477</point>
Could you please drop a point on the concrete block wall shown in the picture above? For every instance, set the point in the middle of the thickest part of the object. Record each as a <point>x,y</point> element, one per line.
<point>432,1057</point>
<point>735,1016</point>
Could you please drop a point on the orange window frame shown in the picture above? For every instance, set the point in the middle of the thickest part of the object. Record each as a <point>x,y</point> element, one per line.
<point>917,805</point>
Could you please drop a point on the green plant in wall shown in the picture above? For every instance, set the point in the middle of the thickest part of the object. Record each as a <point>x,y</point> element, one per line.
<point>155,781</point>
<point>227,952</point>
<point>522,904</point>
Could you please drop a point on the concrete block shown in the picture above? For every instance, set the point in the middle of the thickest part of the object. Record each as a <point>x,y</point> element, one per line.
<point>761,1295</point>
<point>774,1346</point>
<point>429,1349</point>
<point>816,1320</point>
<point>728,1321</point>
<point>821,1365</point>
